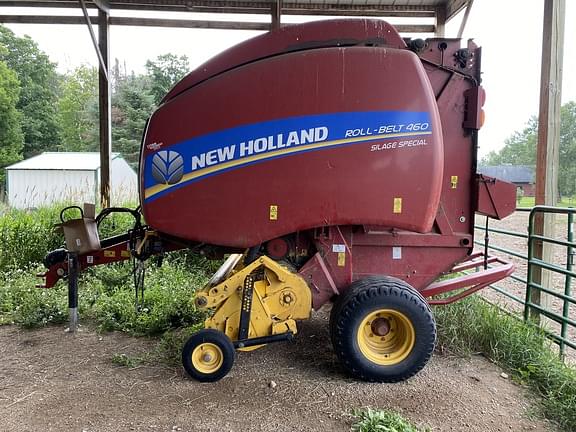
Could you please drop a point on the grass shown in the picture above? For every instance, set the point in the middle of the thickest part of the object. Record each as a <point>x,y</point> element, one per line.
<point>106,293</point>
<point>106,298</point>
<point>372,420</point>
<point>27,235</point>
<point>473,325</point>
<point>529,202</point>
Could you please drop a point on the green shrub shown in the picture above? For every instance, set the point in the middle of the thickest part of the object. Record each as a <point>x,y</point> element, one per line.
<point>371,420</point>
<point>473,325</point>
<point>26,236</point>
<point>168,299</point>
<point>109,301</point>
<point>24,304</point>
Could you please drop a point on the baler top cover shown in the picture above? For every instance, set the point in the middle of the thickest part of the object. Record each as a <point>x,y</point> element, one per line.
<point>326,123</point>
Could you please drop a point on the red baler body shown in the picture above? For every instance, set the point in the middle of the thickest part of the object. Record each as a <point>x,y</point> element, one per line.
<point>329,136</point>
<point>336,132</point>
<point>334,146</point>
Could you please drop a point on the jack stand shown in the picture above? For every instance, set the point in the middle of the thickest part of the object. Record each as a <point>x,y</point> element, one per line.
<point>72,292</point>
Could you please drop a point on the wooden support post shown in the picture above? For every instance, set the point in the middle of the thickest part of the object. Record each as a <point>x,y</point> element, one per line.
<point>465,19</point>
<point>276,14</point>
<point>104,107</point>
<point>547,161</point>
<point>440,24</point>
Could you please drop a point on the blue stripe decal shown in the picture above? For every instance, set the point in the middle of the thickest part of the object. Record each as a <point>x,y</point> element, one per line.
<point>218,152</point>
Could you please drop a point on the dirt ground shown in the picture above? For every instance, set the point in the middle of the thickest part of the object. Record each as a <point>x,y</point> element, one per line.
<point>53,381</point>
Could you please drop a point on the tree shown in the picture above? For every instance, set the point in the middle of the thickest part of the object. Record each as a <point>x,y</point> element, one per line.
<point>164,72</point>
<point>79,94</point>
<point>567,172</point>
<point>132,104</point>
<point>520,149</point>
<point>11,137</point>
<point>39,91</point>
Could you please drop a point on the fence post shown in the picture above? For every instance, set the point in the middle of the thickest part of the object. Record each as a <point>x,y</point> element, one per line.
<point>548,140</point>
<point>568,280</point>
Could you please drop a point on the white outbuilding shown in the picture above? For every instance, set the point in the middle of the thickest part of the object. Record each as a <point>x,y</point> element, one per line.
<point>54,177</point>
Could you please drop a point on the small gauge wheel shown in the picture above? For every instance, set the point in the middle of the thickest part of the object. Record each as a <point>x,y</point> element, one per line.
<point>208,355</point>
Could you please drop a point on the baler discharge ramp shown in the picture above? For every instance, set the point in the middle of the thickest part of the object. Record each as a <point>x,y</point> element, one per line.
<point>331,162</point>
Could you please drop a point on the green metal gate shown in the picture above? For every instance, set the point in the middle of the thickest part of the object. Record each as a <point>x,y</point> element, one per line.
<point>566,335</point>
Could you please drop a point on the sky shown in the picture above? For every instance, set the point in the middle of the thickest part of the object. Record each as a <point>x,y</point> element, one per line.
<point>510,33</point>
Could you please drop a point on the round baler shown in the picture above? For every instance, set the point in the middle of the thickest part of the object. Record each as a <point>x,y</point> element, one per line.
<point>331,162</point>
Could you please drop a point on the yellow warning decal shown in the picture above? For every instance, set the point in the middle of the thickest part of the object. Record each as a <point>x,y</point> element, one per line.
<point>125,253</point>
<point>273,212</point>
<point>453,182</point>
<point>110,253</point>
<point>397,205</point>
<point>341,259</point>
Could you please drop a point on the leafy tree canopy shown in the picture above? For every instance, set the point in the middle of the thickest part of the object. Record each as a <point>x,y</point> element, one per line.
<point>520,149</point>
<point>39,91</point>
<point>164,72</point>
<point>132,104</point>
<point>79,96</point>
<point>11,137</point>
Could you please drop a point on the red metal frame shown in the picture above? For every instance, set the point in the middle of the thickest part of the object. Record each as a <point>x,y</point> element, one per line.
<point>473,281</point>
<point>113,253</point>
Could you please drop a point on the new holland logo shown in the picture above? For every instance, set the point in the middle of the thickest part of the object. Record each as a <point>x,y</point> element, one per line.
<point>167,167</point>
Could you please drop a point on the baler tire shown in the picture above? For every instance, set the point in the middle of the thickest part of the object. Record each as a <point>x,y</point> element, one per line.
<point>404,311</point>
<point>217,346</point>
<point>357,286</point>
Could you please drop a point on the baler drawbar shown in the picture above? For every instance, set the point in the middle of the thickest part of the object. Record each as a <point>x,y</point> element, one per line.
<point>329,162</point>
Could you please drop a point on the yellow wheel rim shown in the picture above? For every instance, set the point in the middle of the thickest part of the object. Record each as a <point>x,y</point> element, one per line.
<point>386,337</point>
<point>207,358</point>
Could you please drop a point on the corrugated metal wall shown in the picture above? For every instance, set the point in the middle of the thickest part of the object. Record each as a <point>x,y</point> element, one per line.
<point>36,188</point>
<point>124,183</point>
<point>30,188</point>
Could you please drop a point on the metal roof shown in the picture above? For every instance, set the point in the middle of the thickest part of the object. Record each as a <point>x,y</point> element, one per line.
<point>67,161</point>
<point>510,173</point>
<point>437,11</point>
<point>407,8</point>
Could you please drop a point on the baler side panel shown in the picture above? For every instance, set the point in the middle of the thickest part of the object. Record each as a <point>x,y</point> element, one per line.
<point>333,33</point>
<point>420,258</point>
<point>357,174</point>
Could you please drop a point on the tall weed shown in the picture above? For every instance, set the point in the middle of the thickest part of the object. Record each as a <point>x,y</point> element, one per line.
<point>24,304</point>
<point>168,300</point>
<point>26,236</point>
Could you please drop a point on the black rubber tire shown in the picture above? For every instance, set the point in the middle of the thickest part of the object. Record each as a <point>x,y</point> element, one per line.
<point>366,296</point>
<point>214,337</point>
<point>352,290</point>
